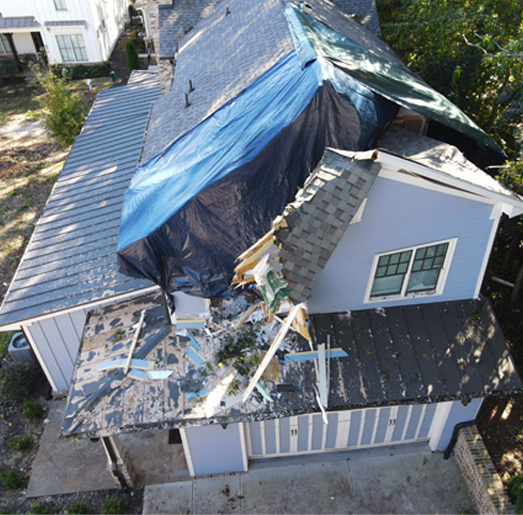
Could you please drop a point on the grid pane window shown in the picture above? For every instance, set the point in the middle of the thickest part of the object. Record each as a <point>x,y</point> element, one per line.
<point>60,5</point>
<point>4,45</point>
<point>72,48</point>
<point>426,268</point>
<point>390,273</point>
<point>409,271</point>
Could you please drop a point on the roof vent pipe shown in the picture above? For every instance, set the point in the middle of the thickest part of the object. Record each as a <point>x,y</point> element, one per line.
<point>227,11</point>
<point>191,89</point>
<point>301,5</point>
<point>187,103</point>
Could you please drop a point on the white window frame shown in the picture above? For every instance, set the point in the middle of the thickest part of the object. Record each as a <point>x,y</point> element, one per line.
<point>70,36</point>
<point>60,5</point>
<point>442,279</point>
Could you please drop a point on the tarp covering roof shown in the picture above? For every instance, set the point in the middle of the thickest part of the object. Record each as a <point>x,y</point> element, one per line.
<point>210,194</point>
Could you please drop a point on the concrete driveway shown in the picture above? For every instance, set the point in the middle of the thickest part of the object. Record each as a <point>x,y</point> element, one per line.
<point>408,479</point>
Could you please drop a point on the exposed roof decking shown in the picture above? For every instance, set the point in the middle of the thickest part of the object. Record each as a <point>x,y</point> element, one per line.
<point>70,259</point>
<point>400,355</point>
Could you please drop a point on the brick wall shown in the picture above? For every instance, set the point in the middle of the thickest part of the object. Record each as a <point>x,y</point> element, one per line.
<point>485,487</point>
<point>166,72</point>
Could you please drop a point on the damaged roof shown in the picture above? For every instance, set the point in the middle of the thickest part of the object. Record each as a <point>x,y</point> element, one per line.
<point>310,228</point>
<point>397,355</point>
<point>70,259</point>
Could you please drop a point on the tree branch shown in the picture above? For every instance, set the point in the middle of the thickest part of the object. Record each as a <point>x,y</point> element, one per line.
<point>505,52</point>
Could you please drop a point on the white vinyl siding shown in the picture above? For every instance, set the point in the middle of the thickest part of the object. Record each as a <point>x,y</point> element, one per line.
<point>72,47</point>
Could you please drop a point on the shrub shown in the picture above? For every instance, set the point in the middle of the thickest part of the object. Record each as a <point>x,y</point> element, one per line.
<point>8,69</point>
<point>5,339</point>
<point>78,507</point>
<point>133,63</point>
<point>137,41</point>
<point>22,444</point>
<point>12,479</point>
<point>115,504</point>
<point>82,71</point>
<point>65,112</point>
<point>33,410</point>
<point>16,381</point>
<point>39,508</point>
<point>515,489</point>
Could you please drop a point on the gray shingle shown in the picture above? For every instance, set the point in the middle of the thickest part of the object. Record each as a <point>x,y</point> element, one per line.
<point>222,55</point>
<point>313,224</point>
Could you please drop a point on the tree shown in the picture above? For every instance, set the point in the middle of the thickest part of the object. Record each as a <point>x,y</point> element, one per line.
<point>64,111</point>
<point>469,50</point>
<point>133,62</point>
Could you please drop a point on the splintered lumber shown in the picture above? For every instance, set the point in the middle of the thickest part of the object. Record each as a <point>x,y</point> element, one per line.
<point>246,315</point>
<point>322,376</point>
<point>299,324</point>
<point>135,341</point>
<point>256,245</point>
<point>264,392</point>
<point>284,329</point>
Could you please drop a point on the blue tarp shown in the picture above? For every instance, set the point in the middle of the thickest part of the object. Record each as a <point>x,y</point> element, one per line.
<point>192,209</point>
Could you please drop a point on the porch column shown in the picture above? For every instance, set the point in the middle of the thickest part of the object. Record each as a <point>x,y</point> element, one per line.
<point>9,37</point>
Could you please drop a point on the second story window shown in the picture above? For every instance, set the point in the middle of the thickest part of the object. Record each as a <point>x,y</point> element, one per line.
<point>60,5</point>
<point>72,48</point>
<point>412,271</point>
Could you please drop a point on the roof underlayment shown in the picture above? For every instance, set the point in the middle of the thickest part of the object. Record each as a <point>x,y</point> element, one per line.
<point>416,354</point>
<point>239,158</point>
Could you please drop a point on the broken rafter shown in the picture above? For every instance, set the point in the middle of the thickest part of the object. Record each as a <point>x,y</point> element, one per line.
<point>135,341</point>
<point>284,329</point>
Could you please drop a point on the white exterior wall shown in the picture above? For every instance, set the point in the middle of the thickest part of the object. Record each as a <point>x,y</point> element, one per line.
<point>13,8</point>
<point>76,11</point>
<point>24,43</point>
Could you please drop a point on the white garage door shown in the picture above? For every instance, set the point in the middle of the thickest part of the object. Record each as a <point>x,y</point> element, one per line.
<point>345,430</point>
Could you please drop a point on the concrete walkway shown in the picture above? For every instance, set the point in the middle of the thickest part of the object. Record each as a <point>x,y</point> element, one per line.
<point>387,480</point>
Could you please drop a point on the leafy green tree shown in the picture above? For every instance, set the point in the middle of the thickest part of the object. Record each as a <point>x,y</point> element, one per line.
<point>469,50</point>
<point>133,62</point>
<point>64,111</point>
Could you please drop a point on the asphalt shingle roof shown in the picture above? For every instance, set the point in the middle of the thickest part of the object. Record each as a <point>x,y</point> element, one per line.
<point>71,258</point>
<point>222,55</point>
<point>177,20</point>
<point>311,227</point>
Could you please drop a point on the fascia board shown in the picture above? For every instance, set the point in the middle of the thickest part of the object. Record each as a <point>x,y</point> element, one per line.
<point>436,175</point>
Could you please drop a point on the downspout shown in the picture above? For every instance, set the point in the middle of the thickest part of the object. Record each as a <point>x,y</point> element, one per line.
<point>454,438</point>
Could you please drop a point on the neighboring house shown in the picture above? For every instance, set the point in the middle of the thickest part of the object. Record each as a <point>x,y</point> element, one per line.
<point>71,31</point>
<point>281,160</point>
